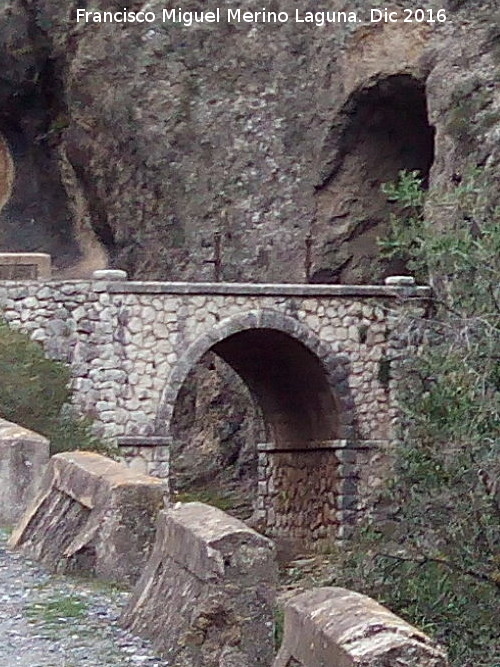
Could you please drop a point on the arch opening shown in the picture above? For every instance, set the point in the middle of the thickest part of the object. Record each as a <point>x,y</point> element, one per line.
<point>288,382</point>
<point>264,387</point>
<point>215,426</point>
<point>382,130</point>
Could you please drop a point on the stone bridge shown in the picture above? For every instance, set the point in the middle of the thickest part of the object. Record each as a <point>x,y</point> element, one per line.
<point>319,359</point>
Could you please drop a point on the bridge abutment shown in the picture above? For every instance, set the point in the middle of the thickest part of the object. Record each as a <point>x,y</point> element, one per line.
<point>315,494</point>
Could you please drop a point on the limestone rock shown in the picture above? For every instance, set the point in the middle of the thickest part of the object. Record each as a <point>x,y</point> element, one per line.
<point>23,458</point>
<point>206,597</point>
<point>92,516</point>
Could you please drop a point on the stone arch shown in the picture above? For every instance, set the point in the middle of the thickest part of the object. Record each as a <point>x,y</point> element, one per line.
<point>382,128</point>
<point>314,389</point>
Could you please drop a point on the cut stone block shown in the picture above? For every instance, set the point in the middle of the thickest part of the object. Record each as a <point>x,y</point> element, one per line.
<point>334,627</point>
<point>206,598</point>
<point>24,456</point>
<point>93,516</point>
<point>25,266</point>
<point>109,274</point>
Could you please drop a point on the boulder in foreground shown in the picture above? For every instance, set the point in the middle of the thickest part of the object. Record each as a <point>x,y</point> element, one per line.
<point>24,456</point>
<point>93,516</point>
<point>207,595</point>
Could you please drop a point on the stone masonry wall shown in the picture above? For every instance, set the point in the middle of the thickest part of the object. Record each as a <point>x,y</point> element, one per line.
<point>315,495</point>
<point>125,340</point>
<point>149,456</point>
<point>131,346</point>
<point>296,493</point>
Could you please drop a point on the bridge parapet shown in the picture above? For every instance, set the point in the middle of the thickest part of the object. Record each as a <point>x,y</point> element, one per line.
<point>327,627</point>
<point>25,266</point>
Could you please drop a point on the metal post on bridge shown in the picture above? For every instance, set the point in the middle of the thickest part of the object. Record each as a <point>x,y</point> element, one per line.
<point>217,258</point>
<point>308,257</point>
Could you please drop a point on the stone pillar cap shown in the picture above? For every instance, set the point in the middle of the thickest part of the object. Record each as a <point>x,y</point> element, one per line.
<point>110,274</point>
<point>400,281</point>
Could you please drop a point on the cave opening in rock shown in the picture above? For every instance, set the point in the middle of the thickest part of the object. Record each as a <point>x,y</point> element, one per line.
<point>382,130</point>
<point>34,211</point>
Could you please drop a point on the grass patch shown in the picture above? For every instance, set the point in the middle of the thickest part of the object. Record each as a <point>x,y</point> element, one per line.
<point>209,497</point>
<point>35,392</point>
<point>5,532</point>
<point>279,625</point>
<point>57,610</point>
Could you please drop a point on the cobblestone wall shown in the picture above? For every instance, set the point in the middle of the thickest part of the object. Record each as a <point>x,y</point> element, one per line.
<point>314,495</point>
<point>131,346</point>
<point>148,456</point>
<point>297,493</point>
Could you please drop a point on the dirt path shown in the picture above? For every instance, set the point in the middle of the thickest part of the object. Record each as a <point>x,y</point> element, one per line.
<point>58,621</point>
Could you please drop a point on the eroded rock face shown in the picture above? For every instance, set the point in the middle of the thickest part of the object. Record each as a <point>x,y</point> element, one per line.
<point>206,598</point>
<point>91,516</point>
<point>35,214</point>
<point>6,172</point>
<point>162,134</point>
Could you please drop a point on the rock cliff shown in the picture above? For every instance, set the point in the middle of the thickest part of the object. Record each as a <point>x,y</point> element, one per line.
<point>133,144</point>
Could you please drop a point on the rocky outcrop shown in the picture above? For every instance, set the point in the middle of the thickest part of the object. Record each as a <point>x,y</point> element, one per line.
<point>6,172</point>
<point>265,133</point>
<point>92,516</point>
<point>206,597</point>
<point>36,214</point>
<point>23,458</point>
<point>327,627</point>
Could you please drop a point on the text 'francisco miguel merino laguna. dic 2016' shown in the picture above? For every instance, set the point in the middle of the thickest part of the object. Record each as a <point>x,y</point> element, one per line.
<point>217,15</point>
<point>318,18</point>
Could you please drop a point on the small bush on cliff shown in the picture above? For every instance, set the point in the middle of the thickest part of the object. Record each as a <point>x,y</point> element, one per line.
<point>434,555</point>
<point>34,393</point>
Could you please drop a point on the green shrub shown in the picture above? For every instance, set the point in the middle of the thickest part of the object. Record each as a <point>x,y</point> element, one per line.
<point>35,393</point>
<point>434,555</point>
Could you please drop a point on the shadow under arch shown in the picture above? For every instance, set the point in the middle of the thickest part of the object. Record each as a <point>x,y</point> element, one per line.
<point>299,382</point>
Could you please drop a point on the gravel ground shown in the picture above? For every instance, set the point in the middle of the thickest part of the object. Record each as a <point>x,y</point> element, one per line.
<point>58,621</point>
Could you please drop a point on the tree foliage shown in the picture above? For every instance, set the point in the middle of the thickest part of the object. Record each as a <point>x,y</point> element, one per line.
<point>435,557</point>
<point>35,393</point>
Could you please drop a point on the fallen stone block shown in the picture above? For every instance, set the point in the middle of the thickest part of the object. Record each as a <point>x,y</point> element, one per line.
<point>334,627</point>
<point>25,266</point>
<point>207,595</point>
<point>92,516</point>
<point>24,456</point>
